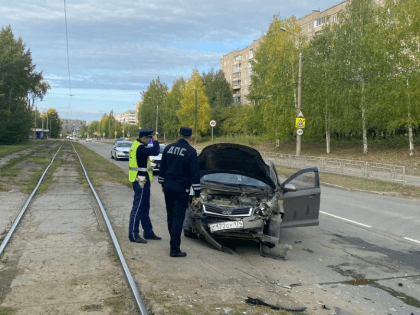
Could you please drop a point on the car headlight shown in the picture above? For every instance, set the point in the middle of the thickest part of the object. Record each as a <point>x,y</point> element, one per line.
<point>262,210</point>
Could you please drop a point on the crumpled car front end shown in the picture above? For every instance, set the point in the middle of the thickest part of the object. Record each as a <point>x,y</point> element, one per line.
<point>236,201</point>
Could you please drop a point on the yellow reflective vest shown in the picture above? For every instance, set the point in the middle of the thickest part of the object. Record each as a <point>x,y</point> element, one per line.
<point>132,163</point>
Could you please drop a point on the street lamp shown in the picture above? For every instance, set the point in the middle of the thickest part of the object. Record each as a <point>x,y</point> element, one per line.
<point>299,103</point>
<point>157,114</point>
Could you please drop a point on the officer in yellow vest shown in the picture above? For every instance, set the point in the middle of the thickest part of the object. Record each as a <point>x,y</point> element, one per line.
<point>141,175</point>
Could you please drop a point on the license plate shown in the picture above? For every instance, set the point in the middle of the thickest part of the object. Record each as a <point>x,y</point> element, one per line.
<point>226,226</point>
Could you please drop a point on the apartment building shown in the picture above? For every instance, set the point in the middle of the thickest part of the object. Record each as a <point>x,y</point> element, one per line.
<point>236,64</point>
<point>71,125</point>
<point>128,117</point>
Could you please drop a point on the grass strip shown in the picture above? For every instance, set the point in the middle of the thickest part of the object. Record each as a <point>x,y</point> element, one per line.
<point>100,169</point>
<point>357,183</point>
<point>13,148</point>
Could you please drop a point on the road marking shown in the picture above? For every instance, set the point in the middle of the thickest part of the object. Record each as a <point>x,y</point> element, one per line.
<point>410,239</point>
<point>368,226</point>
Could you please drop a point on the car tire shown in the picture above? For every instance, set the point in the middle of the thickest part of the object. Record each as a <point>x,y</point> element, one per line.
<point>112,156</point>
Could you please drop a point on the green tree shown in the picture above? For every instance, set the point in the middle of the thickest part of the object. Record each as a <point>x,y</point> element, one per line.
<point>54,123</point>
<point>218,90</point>
<point>356,44</point>
<point>273,89</point>
<point>170,106</point>
<point>194,92</point>
<point>18,79</point>
<point>153,97</point>
<point>400,33</point>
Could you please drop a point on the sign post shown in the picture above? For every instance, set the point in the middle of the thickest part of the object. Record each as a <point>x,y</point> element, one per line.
<point>212,125</point>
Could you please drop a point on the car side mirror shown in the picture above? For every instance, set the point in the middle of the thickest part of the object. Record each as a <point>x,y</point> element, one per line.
<point>289,187</point>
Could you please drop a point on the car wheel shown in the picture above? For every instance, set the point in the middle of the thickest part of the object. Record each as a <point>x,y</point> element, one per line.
<point>112,156</point>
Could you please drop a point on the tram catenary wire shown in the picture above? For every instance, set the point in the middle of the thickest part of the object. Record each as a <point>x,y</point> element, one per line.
<point>139,301</point>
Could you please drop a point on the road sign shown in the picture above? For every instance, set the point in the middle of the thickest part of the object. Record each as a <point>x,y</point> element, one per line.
<point>299,132</point>
<point>300,115</point>
<point>300,122</point>
<point>115,132</point>
<point>212,123</point>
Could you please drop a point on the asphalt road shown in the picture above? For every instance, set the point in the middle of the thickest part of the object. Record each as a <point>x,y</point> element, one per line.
<point>360,236</point>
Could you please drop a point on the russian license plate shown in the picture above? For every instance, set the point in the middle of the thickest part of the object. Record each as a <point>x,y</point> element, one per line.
<point>226,226</point>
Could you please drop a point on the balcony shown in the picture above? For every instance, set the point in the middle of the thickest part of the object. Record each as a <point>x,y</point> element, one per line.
<point>237,94</point>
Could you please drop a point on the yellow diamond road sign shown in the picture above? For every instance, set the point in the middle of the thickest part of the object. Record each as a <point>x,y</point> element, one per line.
<point>300,122</point>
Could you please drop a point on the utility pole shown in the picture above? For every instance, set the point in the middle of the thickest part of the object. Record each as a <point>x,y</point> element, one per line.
<point>195,123</point>
<point>299,104</point>
<point>35,125</point>
<point>157,115</point>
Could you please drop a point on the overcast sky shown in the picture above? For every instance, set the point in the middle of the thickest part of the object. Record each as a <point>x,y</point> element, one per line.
<point>116,48</point>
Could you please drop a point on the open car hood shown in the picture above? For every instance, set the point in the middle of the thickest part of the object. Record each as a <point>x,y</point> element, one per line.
<point>234,159</point>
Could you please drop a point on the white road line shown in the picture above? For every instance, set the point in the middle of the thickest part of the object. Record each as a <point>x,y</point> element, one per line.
<point>410,239</point>
<point>368,226</point>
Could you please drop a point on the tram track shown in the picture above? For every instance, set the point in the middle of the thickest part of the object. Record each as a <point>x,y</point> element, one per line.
<point>65,204</point>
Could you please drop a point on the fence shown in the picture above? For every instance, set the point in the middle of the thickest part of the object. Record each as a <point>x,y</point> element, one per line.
<point>340,166</point>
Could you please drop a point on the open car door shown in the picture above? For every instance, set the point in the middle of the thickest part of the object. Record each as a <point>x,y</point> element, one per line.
<point>301,199</point>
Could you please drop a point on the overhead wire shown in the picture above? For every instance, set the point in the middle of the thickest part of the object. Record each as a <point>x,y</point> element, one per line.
<point>68,59</point>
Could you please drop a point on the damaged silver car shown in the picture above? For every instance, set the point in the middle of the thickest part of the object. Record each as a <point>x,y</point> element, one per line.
<point>243,198</point>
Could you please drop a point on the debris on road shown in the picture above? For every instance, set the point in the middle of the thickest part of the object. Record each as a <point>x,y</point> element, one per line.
<point>278,306</point>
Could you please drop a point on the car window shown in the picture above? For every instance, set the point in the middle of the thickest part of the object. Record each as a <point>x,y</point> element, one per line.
<point>233,179</point>
<point>123,144</point>
<point>304,181</point>
<point>162,147</point>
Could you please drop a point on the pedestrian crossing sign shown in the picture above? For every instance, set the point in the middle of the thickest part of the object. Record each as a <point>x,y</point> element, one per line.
<point>300,122</point>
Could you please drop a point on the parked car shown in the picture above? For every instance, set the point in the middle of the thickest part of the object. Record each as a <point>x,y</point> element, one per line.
<point>155,160</point>
<point>243,198</point>
<point>119,140</point>
<point>88,139</point>
<point>121,150</point>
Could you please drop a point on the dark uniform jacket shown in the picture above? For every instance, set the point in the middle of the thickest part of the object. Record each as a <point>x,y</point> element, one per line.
<point>180,164</point>
<point>142,154</point>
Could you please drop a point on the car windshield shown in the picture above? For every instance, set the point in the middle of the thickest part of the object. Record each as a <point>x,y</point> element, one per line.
<point>124,144</point>
<point>233,179</point>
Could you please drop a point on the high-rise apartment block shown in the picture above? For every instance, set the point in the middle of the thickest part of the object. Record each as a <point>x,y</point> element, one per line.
<point>72,125</point>
<point>236,65</point>
<point>128,117</point>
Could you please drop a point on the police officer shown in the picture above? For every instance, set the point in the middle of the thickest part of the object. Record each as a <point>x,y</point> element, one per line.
<point>141,175</point>
<point>179,171</point>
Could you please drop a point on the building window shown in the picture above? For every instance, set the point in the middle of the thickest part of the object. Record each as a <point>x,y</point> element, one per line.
<point>251,54</point>
<point>237,58</point>
<point>334,19</point>
<point>310,25</point>
<point>319,22</point>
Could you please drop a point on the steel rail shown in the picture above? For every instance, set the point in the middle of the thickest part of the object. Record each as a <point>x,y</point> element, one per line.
<point>22,212</point>
<point>130,279</point>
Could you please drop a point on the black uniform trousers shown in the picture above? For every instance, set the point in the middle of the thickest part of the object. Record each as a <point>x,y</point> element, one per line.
<point>176,199</point>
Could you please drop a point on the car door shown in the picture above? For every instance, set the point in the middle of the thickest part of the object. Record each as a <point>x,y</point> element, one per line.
<point>301,199</point>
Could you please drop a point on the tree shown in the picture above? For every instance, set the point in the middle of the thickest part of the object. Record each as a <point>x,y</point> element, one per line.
<point>356,44</point>
<point>194,93</point>
<point>400,31</point>
<point>273,89</point>
<point>153,97</point>
<point>17,80</point>
<point>170,106</point>
<point>54,123</point>
<point>218,90</point>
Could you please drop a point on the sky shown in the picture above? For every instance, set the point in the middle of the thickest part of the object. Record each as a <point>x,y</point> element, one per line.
<point>109,52</point>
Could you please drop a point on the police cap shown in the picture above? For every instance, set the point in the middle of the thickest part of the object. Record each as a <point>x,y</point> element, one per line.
<point>185,131</point>
<point>145,132</point>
